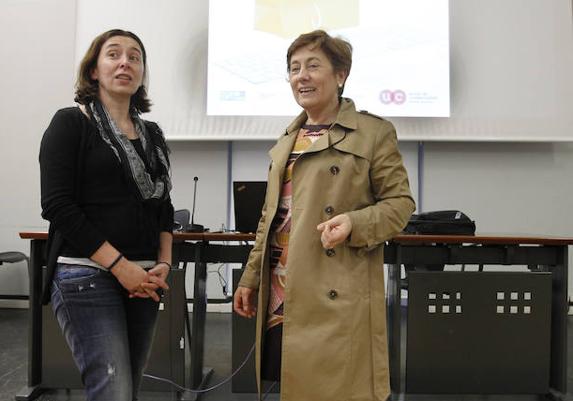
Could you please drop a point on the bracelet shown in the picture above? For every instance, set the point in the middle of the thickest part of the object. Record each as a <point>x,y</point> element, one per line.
<point>164,263</point>
<point>115,262</point>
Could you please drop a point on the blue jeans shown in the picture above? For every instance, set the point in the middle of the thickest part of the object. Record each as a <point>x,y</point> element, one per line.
<point>109,334</point>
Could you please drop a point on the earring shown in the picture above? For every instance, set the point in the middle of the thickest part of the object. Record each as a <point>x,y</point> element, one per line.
<point>340,86</point>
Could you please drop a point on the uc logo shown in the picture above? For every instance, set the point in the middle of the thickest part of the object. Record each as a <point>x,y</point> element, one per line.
<point>388,97</point>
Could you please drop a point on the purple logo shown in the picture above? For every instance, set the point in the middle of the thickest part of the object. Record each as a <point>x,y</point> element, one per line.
<point>388,97</point>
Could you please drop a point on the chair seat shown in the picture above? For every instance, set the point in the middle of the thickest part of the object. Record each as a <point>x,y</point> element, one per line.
<point>12,257</point>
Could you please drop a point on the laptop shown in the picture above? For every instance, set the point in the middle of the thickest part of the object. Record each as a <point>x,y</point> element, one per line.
<point>249,198</point>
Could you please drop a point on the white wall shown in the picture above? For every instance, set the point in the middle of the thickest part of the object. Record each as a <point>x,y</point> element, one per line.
<point>498,51</point>
<point>36,78</point>
<point>505,187</point>
<point>515,188</point>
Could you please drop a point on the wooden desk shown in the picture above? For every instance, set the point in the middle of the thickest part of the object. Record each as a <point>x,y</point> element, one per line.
<point>539,253</point>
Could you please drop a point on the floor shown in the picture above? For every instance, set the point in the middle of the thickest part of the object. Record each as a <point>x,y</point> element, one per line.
<point>13,366</point>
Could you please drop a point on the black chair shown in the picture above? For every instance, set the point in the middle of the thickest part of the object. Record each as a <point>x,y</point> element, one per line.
<point>13,257</point>
<point>181,220</point>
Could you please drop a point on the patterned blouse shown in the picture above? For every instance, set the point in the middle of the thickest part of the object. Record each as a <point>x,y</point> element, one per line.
<point>280,228</point>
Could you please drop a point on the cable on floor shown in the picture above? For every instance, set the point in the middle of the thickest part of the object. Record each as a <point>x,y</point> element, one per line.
<point>206,390</point>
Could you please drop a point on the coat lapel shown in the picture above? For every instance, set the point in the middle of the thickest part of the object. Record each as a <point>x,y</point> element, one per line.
<point>345,121</point>
<point>279,155</point>
<point>333,136</point>
<point>280,152</point>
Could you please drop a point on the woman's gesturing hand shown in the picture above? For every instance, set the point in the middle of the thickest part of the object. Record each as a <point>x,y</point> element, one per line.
<point>244,302</point>
<point>335,231</point>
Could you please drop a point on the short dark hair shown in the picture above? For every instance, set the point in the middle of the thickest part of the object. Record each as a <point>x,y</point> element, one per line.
<point>338,50</point>
<point>87,89</point>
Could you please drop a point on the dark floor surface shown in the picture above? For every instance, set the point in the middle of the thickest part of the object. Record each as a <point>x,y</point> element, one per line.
<point>13,365</point>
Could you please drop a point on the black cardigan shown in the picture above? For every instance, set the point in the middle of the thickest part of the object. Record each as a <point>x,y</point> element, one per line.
<point>86,198</point>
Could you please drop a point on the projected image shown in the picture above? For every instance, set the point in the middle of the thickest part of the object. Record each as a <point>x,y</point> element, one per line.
<point>400,60</point>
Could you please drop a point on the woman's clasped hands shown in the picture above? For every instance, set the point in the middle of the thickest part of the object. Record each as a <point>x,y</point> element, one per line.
<point>141,283</point>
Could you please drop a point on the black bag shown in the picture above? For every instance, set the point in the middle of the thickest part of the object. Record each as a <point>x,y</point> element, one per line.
<point>441,222</point>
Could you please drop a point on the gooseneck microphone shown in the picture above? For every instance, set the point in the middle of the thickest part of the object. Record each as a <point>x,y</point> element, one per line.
<point>194,228</point>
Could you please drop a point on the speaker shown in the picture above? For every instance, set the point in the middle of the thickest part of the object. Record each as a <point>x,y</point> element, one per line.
<point>478,332</point>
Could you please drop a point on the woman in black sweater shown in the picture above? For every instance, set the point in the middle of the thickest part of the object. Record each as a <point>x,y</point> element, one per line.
<point>105,186</point>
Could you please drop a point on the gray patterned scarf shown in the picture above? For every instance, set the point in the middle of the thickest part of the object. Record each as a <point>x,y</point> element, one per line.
<point>153,183</point>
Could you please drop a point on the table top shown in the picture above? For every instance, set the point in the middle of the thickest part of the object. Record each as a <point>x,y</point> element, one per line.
<point>402,239</point>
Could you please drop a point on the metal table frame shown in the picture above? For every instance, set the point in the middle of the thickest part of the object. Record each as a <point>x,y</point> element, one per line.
<point>539,253</point>
<point>187,247</point>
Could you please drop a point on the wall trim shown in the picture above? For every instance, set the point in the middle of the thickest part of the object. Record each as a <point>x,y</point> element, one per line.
<point>14,304</point>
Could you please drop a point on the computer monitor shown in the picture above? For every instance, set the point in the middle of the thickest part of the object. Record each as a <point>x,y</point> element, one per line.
<point>249,198</point>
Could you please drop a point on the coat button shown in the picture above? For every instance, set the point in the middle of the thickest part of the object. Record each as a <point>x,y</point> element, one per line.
<point>329,210</point>
<point>330,252</point>
<point>332,294</point>
<point>334,170</point>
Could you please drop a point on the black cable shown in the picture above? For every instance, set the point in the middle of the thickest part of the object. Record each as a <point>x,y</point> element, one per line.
<point>226,380</point>
<point>222,282</point>
<point>268,391</point>
<point>161,379</point>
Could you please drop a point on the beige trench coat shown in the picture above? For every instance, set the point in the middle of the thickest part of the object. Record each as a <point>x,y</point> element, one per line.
<point>334,330</point>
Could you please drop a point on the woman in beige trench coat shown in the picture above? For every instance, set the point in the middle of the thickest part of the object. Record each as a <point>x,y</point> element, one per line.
<point>337,189</point>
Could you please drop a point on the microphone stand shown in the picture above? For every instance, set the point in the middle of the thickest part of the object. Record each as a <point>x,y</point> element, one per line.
<point>194,228</point>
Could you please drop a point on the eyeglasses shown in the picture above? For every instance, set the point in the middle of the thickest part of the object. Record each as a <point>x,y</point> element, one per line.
<point>298,69</point>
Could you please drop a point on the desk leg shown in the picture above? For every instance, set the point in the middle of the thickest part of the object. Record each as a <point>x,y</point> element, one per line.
<point>559,309</point>
<point>33,390</point>
<point>199,375</point>
<point>394,326</point>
